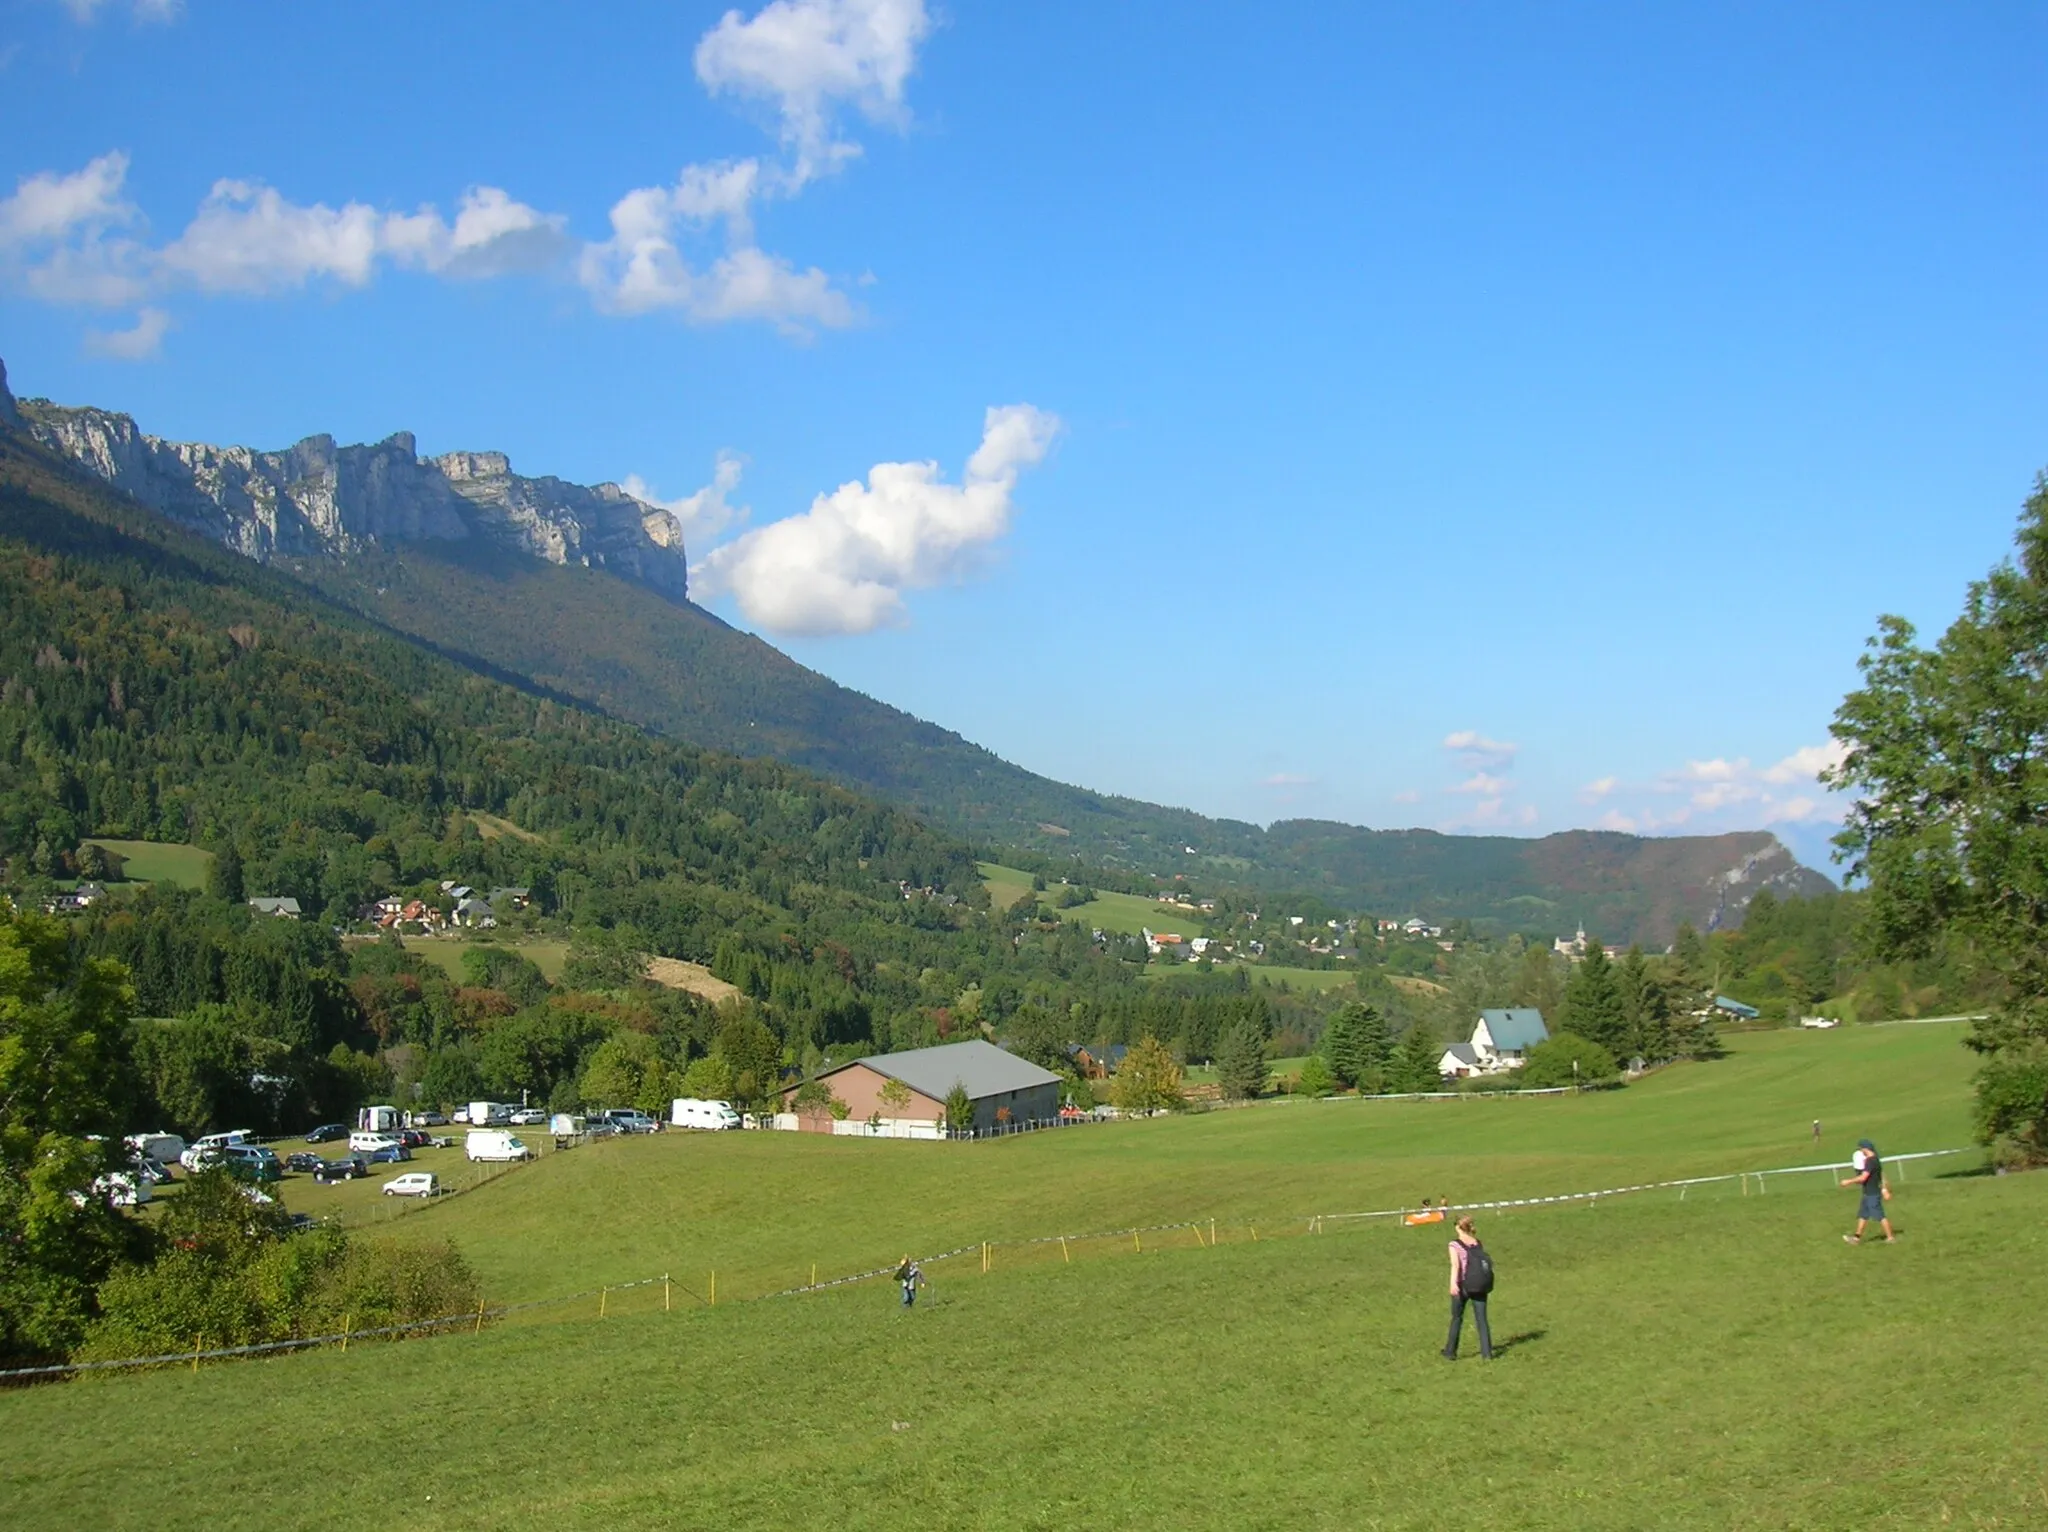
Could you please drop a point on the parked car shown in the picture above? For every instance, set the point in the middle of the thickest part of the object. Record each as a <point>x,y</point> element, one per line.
<point>350,1169</point>
<point>251,1162</point>
<point>363,1140</point>
<point>426,1119</point>
<point>496,1144</point>
<point>601,1127</point>
<point>327,1133</point>
<point>628,1121</point>
<point>123,1188</point>
<point>413,1138</point>
<point>206,1151</point>
<point>528,1117</point>
<point>304,1162</point>
<point>414,1183</point>
<point>389,1154</point>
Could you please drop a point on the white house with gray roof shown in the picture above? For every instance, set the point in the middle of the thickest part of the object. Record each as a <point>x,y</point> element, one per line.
<point>1004,1089</point>
<point>1502,1039</point>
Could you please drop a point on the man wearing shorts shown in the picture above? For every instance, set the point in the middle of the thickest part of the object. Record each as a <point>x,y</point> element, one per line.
<point>1870,1176</point>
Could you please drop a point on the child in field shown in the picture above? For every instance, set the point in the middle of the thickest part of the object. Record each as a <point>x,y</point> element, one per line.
<point>1870,1176</point>
<point>1471,1282</point>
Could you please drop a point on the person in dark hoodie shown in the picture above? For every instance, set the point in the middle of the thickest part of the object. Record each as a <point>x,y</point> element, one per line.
<point>1870,1176</point>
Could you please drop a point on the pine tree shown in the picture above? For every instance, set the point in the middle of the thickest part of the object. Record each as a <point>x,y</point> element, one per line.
<point>224,874</point>
<point>1357,1046</point>
<point>1415,1067</point>
<point>1241,1062</point>
<point>1646,1008</point>
<point>1592,1000</point>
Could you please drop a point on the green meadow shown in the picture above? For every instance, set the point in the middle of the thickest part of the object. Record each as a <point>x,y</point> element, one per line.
<point>148,861</point>
<point>548,954</point>
<point>1711,1360</point>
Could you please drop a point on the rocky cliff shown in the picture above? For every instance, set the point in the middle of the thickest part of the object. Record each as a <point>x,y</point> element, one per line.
<point>316,498</point>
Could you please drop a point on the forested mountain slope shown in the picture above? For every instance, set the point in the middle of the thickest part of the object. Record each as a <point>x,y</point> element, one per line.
<point>633,647</point>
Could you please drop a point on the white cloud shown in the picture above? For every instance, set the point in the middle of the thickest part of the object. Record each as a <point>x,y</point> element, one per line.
<point>1805,764</point>
<point>85,12</point>
<point>808,57</point>
<point>139,343</point>
<point>62,239</point>
<point>493,234</point>
<point>1480,751</point>
<point>842,565</point>
<point>1286,779</point>
<point>1408,795</point>
<point>702,516</point>
<point>1599,788</point>
<point>1725,793</point>
<point>1481,784</point>
<point>246,238</point>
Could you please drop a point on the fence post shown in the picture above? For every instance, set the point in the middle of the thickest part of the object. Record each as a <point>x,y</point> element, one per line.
<point>198,1345</point>
<point>1212,1234</point>
<point>814,1273</point>
<point>344,1335</point>
<point>664,1292</point>
<point>1066,1254</point>
<point>603,1300</point>
<point>712,1302</point>
<point>479,1316</point>
<point>1136,1243</point>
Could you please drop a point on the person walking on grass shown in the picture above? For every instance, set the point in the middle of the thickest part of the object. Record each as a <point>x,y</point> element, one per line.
<point>1870,1176</point>
<point>911,1275</point>
<point>1471,1282</point>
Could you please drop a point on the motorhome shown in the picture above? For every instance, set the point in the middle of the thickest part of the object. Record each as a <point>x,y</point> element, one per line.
<point>496,1144</point>
<point>712,1116</point>
<point>379,1119</point>
<point>487,1114</point>
<point>164,1148</point>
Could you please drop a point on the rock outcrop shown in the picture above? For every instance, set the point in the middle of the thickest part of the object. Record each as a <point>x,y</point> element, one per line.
<point>317,498</point>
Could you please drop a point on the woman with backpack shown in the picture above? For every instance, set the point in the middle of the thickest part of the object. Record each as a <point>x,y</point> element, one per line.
<point>1471,1282</point>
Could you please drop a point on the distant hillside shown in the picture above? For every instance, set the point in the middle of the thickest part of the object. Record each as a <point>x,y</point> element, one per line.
<point>614,631</point>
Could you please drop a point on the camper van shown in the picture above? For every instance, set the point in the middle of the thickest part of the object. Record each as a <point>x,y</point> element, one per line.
<point>496,1144</point>
<point>164,1148</point>
<point>487,1114</point>
<point>713,1116</point>
<point>206,1151</point>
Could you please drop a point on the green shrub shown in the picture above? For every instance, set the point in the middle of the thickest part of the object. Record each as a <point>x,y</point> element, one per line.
<point>1315,1078</point>
<point>1551,1063</point>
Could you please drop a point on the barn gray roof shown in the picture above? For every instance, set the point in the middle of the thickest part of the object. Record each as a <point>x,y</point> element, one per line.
<point>983,1068</point>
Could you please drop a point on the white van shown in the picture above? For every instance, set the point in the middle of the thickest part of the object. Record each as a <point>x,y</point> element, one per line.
<point>496,1144</point>
<point>362,1142</point>
<point>712,1116</point>
<point>164,1148</point>
<point>207,1149</point>
<point>484,1114</point>
<point>378,1119</point>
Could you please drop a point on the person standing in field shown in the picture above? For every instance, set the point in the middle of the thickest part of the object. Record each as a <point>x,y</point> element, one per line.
<point>911,1275</point>
<point>1816,1130</point>
<point>1471,1282</point>
<point>1870,1176</point>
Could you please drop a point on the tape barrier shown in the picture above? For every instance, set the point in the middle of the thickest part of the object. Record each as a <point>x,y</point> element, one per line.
<point>1313,1221</point>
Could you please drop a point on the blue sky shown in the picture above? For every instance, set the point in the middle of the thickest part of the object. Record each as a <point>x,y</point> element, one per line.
<point>1478,417</point>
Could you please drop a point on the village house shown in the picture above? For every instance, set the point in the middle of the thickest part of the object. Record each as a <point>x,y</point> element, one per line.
<point>1502,1039</point>
<point>475,913</point>
<point>276,909</point>
<point>1004,1089</point>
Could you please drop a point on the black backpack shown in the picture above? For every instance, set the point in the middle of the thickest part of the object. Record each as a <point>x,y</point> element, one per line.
<point>1476,1280</point>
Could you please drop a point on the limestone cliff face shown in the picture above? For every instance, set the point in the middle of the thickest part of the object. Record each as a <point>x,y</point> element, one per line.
<point>317,498</point>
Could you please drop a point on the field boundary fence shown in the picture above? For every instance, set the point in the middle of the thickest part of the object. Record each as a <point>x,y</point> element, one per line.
<point>1207,1232</point>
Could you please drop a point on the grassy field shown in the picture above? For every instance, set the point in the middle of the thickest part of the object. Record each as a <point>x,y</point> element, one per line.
<point>1127,913</point>
<point>1720,1361</point>
<point>148,861</point>
<point>547,954</point>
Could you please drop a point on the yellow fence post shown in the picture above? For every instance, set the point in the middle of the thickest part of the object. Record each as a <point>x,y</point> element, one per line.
<point>1255,1233</point>
<point>198,1345</point>
<point>604,1295</point>
<point>1136,1243</point>
<point>664,1293</point>
<point>479,1316</point>
<point>713,1300</point>
<point>814,1273</point>
<point>1212,1234</point>
<point>1066,1254</point>
<point>344,1332</point>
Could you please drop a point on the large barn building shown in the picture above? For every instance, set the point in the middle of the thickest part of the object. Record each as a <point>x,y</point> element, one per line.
<point>1003,1088</point>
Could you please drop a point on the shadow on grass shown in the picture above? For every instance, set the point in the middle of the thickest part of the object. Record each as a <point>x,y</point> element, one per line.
<point>1969,1174</point>
<point>1526,1338</point>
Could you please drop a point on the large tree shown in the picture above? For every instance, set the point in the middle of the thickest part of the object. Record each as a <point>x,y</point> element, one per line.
<point>1946,752</point>
<point>1241,1062</point>
<point>61,1022</point>
<point>1593,1006</point>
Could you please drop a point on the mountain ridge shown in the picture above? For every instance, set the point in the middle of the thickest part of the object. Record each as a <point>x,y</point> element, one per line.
<point>597,631</point>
